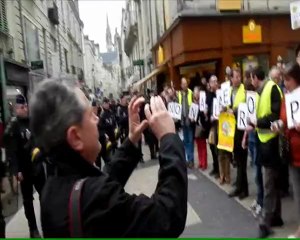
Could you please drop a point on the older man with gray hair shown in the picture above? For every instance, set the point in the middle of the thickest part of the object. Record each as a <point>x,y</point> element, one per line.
<point>275,75</point>
<point>82,201</point>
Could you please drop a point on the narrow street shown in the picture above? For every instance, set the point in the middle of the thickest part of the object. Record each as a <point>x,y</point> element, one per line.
<point>211,213</point>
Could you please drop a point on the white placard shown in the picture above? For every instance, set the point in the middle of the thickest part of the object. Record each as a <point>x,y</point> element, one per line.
<point>226,99</point>
<point>193,112</point>
<point>295,14</point>
<point>202,101</point>
<point>251,105</point>
<point>242,116</point>
<point>216,110</point>
<point>219,98</point>
<point>175,110</point>
<point>292,104</point>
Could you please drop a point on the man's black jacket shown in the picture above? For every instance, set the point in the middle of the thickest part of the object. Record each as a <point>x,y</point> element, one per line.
<point>18,144</point>
<point>107,124</point>
<point>106,209</point>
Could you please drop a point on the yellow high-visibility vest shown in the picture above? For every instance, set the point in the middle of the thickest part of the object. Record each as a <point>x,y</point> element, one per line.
<point>240,96</point>
<point>264,109</point>
<point>189,97</point>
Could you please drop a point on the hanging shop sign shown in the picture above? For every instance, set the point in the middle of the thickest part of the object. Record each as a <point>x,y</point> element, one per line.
<point>160,55</point>
<point>252,33</point>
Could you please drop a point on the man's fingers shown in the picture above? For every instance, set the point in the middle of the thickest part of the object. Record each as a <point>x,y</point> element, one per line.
<point>131,102</point>
<point>153,105</point>
<point>161,104</point>
<point>147,111</point>
<point>137,103</point>
<point>144,124</point>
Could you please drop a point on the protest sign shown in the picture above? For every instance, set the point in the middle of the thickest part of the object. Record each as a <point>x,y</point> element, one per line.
<point>292,104</point>
<point>226,132</point>
<point>251,105</point>
<point>193,112</point>
<point>219,98</point>
<point>202,101</point>
<point>175,110</point>
<point>216,110</point>
<point>225,88</point>
<point>242,116</point>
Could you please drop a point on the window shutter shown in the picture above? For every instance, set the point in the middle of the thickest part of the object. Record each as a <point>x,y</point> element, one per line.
<point>3,17</point>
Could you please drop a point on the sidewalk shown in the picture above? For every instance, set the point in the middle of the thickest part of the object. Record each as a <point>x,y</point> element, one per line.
<point>289,214</point>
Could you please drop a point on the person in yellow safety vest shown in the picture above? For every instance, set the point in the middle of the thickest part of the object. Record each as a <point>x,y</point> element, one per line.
<point>268,111</point>
<point>185,98</point>
<point>238,96</point>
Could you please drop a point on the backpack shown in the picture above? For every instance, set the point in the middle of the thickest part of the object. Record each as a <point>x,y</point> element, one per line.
<point>42,168</point>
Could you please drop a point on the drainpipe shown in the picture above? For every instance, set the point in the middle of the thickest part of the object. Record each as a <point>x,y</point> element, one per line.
<point>23,31</point>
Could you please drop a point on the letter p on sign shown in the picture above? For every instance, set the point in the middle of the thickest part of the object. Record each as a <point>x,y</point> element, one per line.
<point>292,104</point>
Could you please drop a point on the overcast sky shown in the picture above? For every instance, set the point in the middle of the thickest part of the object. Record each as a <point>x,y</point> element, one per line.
<point>93,14</point>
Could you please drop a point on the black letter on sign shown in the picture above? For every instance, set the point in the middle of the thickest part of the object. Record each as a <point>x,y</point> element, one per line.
<point>225,96</point>
<point>242,118</point>
<point>294,108</point>
<point>250,105</point>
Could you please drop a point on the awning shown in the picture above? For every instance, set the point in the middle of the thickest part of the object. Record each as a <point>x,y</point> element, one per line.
<point>149,76</point>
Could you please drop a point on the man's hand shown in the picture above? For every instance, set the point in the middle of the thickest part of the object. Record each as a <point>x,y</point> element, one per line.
<point>159,120</point>
<point>297,127</point>
<point>136,127</point>
<point>229,110</point>
<point>244,141</point>
<point>249,128</point>
<point>20,177</point>
<point>192,120</point>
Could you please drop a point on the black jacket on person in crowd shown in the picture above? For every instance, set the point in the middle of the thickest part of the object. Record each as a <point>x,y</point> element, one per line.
<point>107,124</point>
<point>106,209</point>
<point>18,145</point>
<point>122,117</point>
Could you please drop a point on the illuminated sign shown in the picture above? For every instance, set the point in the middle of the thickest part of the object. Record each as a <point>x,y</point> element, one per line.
<point>252,33</point>
<point>160,55</point>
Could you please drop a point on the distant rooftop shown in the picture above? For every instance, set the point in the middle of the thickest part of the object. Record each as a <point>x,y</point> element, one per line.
<point>109,57</point>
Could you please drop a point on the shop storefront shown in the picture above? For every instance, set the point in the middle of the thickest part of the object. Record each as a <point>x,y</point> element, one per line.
<point>15,81</point>
<point>207,44</point>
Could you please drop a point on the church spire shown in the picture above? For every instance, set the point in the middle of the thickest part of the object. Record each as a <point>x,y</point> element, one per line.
<point>109,43</point>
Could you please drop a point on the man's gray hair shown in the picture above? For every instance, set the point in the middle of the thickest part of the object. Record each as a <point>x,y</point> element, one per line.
<point>54,107</point>
<point>274,73</point>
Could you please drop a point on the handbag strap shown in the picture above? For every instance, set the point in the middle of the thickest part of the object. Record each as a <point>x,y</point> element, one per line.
<point>75,223</point>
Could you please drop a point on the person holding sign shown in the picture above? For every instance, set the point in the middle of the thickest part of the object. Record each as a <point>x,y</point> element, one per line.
<point>268,110</point>
<point>292,83</point>
<point>238,96</point>
<point>212,125</point>
<point>185,99</point>
<point>200,131</point>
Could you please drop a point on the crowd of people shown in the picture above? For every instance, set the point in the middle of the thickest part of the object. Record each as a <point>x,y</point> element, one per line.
<point>58,150</point>
<point>272,146</point>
